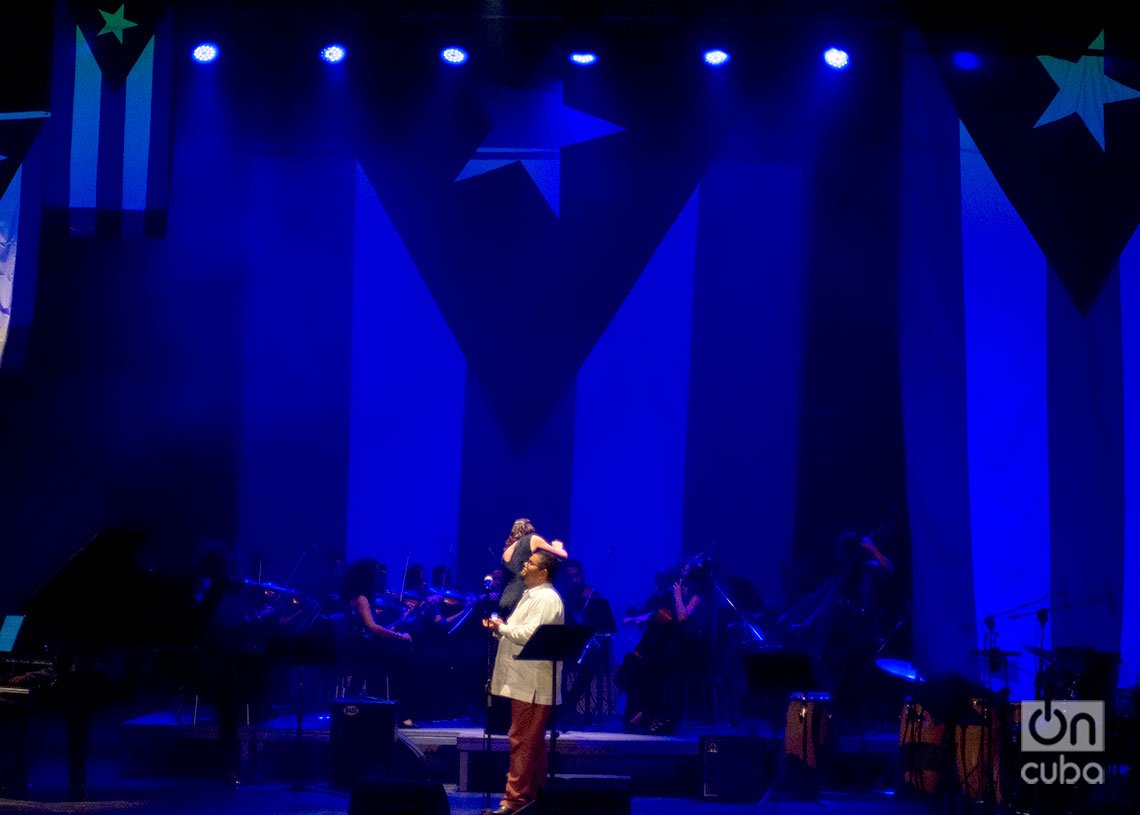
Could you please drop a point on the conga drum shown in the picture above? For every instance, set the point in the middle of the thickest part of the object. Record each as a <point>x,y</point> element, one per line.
<point>922,749</point>
<point>979,741</point>
<point>807,735</point>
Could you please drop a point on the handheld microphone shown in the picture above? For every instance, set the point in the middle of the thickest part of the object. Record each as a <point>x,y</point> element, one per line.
<point>487,581</point>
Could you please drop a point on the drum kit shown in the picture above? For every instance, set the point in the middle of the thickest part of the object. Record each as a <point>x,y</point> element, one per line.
<point>960,738</point>
<point>953,736</point>
<point>808,740</point>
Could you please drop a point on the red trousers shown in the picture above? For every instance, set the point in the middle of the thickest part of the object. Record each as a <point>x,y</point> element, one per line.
<point>527,738</point>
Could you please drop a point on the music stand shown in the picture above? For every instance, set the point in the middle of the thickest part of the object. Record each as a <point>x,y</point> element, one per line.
<point>555,643</point>
<point>773,673</point>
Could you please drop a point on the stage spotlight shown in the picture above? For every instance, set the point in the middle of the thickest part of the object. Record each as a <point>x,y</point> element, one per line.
<point>836,59</point>
<point>966,61</point>
<point>206,52</point>
<point>453,55</point>
<point>332,54</point>
<point>716,58</point>
<point>583,58</point>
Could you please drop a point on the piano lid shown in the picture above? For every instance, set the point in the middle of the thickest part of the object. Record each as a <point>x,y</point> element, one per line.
<point>103,598</point>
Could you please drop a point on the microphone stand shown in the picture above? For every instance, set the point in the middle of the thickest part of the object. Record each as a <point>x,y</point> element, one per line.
<point>488,706</point>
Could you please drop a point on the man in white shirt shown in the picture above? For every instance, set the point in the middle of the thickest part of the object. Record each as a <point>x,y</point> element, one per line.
<point>527,683</point>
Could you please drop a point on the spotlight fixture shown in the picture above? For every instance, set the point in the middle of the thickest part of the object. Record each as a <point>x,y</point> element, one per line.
<point>334,53</point>
<point>583,58</point>
<point>206,52</point>
<point>453,55</point>
<point>716,57</point>
<point>837,59</point>
<point>966,61</point>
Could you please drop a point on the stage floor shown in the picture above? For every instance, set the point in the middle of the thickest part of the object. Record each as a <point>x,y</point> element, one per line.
<point>457,753</point>
<point>274,799</point>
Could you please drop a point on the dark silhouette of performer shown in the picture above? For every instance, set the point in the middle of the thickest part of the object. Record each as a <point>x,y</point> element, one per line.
<point>675,637</point>
<point>231,674</point>
<point>585,606</point>
<point>370,652</point>
<point>843,620</point>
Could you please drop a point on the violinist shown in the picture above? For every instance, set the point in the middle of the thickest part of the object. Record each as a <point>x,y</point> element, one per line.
<point>451,605</point>
<point>373,653</point>
<point>358,593</point>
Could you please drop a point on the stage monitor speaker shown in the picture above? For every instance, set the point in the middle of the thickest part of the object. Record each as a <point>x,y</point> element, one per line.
<point>736,768</point>
<point>598,795</point>
<point>398,796</point>
<point>362,740</point>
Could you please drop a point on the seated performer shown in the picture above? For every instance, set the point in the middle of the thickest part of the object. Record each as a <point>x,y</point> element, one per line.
<point>367,655</point>
<point>527,684</point>
<point>585,606</point>
<point>675,636</point>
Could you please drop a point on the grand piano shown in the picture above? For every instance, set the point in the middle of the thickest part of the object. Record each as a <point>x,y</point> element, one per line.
<point>86,638</point>
<point>106,628</point>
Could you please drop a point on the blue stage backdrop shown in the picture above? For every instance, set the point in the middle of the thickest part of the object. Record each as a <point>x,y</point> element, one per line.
<point>667,312</point>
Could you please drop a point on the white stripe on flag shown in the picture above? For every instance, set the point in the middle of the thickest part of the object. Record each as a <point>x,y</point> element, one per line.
<point>85,126</point>
<point>136,130</point>
<point>1003,279</point>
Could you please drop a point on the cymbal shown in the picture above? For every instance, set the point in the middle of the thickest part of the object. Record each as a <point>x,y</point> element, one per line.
<point>1040,653</point>
<point>994,652</point>
<point>900,668</point>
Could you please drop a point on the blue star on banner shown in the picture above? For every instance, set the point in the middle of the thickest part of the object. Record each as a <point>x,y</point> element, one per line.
<point>1083,89</point>
<point>531,127</point>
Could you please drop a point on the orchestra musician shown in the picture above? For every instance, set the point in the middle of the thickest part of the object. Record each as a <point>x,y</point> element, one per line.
<point>843,619</point>
<point>674,634</point>
<point>373,652</point>
<point>585,606</point>
<point>229,674</point>
<point>520,544</point>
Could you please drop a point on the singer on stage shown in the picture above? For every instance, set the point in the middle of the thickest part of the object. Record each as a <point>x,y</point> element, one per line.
<point>526,683</point>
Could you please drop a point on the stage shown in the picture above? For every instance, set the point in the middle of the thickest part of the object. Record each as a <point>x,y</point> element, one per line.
<point>275,799</point>
<point>166,762</point>
<point>456,753</point>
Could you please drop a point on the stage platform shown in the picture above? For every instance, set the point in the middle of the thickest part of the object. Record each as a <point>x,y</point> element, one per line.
<point>457,752</point>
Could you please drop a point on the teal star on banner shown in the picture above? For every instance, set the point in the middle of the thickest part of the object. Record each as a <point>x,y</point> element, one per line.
<point>115,23</point>
<point>531,127</point>
<point>1083,89</point>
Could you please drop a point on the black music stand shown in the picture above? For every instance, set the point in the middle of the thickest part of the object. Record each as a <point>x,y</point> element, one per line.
<point>556,643</point>
<point>773,673</point>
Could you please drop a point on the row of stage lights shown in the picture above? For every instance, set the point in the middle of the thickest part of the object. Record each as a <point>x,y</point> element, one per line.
<point>207,52</point>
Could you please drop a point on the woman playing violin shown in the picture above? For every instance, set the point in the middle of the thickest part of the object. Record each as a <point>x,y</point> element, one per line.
<point>358,593</point>
<point>373,652</point>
